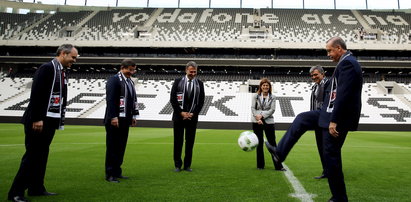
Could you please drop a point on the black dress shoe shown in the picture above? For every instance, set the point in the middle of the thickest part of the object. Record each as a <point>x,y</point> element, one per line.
<point>44,193</point>
<point>320,177</point>
<point>281,169</point>
<point>177,169</point>
<point>276,159</point>
<point>123,177</point>
<point>112,179</point>
<point>188,169</point>
<point>18,199</point>
<point>277,165</point>
<point>273,152</point>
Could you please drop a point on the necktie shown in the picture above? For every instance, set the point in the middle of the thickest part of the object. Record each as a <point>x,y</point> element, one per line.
<point>189,88</point>
<point>130,87</point>
<point>313,97</point>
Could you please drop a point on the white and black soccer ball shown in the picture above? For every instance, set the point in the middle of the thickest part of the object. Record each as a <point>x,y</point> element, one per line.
<point>248,141</point>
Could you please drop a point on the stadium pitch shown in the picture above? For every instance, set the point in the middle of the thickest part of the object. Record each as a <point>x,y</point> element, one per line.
<point>376,167</point>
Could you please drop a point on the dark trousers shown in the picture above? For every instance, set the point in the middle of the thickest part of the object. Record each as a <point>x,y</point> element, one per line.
<point>333,163</point>
<point>33,164</point>
<point>259,130</point>
<point>319,140</point>
<point>303,122</point>
<point>190,127</point>
<point>116,142</point>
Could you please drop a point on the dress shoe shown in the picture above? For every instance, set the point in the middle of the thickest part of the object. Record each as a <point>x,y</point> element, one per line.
<point>281,169</point>
<point>273,152</point>
<point>18,199</point>
<point>123,177</point>
<point>177,169</point>
<point>276,159</point>
<point>112,179</point>
<point>44,193</point>
<point>277,165</point>
<point>320,177</point>
<point>188,169</point>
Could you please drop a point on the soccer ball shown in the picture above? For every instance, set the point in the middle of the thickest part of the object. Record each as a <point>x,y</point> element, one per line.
<point>248,141</point>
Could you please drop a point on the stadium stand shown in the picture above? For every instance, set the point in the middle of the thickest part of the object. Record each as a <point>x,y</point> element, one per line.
<point>51,28</point>
<point>226,101</point>
<point>394,26</point>
<point>190,27</point>
<point>114,25</point>
<point>306,26</point>
<point>237,26</point>
<point>233,46</point>
<point>11,24</point>
<point>12,87</point>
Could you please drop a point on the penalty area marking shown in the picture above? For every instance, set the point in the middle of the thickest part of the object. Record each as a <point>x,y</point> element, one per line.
<point>299,191</point>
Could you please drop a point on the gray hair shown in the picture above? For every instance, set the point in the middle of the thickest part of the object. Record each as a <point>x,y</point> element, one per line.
<point>192,64</point>
<point>338,41</point>
<point>317,67</point>
<point>65,48</point>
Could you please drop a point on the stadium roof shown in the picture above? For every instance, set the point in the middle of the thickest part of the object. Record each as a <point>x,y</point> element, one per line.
<point>307,4</point>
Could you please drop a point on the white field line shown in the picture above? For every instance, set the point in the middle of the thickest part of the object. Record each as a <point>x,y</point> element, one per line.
<point>299,191</point>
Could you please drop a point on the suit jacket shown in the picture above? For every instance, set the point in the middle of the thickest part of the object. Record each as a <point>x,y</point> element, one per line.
<point>317,94</point>
<point>347,104</point>
<point>176,106</point>
<point>267,112</point>
<point>40,96</point>
<point>113,94</point>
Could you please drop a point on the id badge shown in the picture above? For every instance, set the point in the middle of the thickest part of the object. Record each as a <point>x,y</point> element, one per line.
<point>122,104</point>
<point>179,97</point>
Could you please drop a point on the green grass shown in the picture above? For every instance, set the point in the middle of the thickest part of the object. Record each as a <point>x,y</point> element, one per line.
<point>376,167</point>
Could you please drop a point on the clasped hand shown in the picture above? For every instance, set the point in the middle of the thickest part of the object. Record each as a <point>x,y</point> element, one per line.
<point>259,119</point>
<point>186,115</point>
<point>115,123</point>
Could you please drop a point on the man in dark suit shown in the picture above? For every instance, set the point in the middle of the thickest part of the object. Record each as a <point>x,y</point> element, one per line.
<point>187,98</point>
<point>44,114</point>
<point>317,98</point>
<point>121,112</point>
<point>304,121</point>
<point>340,112</point>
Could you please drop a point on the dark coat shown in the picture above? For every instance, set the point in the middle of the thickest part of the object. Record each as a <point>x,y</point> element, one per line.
<point>113,94</point>
<point>176,107</point>
<point>40,94</point>
<point>347,105</point>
